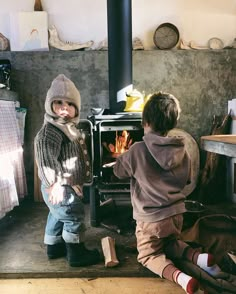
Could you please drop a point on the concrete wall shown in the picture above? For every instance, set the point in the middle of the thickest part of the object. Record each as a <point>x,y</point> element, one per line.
<point>203,81</point>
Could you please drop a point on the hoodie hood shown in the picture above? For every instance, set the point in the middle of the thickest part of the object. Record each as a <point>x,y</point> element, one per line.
<point>167,151</point>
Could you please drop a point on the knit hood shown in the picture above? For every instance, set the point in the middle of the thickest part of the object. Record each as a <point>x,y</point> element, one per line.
<point>64,89</point>
<point>167,151</point>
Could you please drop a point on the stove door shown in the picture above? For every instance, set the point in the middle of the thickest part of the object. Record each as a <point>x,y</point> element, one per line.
<point>115,137</point>
<point>86,128</point>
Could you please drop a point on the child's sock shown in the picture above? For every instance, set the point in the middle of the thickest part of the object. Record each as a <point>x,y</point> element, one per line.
<point>172,273</point>
<point>189,284</point>
<point>206,262</point>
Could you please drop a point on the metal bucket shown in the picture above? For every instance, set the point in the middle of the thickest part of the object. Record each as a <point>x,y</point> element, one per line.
<point>194,210</point>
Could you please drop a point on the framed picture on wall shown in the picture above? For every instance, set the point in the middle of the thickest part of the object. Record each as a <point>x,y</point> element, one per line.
<point>29,31</point>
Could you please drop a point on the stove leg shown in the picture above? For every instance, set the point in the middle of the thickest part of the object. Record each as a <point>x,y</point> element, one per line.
<point>94,206</point>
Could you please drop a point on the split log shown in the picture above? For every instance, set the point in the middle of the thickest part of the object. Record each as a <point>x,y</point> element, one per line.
<point>108,248</point>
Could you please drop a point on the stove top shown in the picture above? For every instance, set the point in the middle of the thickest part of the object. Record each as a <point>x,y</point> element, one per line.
<point>118,115</point>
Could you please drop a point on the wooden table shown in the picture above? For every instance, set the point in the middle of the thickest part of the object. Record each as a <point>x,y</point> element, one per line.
<point>220,144</point>
<point>224,145</point>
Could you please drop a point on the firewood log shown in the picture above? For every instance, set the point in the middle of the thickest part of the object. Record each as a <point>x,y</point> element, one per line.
<point>108,248</point>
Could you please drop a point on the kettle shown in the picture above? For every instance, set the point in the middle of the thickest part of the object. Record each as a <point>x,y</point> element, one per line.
<point>134,101</point>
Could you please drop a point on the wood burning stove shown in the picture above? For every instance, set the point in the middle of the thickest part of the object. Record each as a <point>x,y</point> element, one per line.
<point>112,135</point>
<point>110,131</point>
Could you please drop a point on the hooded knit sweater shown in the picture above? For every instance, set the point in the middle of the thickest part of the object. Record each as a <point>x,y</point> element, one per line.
<point>59,159</point>
<point>60,150</point>
<point>159,169</point>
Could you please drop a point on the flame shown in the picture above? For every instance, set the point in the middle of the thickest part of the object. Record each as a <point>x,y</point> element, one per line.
<point>123,142</point>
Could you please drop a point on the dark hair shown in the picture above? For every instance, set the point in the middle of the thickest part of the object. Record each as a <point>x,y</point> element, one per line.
<point>161,112</point>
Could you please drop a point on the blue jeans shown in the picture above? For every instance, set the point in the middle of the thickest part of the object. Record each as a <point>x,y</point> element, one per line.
<point>65,220</point>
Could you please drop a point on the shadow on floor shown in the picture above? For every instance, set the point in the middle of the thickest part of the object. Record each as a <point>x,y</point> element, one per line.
<point>23,253</point>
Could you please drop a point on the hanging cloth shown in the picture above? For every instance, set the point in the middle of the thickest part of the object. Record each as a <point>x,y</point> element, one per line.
<point>13,185</point>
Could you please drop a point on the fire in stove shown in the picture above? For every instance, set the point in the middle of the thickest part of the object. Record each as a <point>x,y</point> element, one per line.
<point>122,144</point>
<point>123,141</point>
<point>116,137</point>
<point>113,135</point>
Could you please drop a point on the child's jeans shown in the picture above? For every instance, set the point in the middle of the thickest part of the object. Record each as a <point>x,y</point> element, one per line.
<point>65,220</point>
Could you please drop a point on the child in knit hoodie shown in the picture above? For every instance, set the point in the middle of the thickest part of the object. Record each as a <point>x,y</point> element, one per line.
<point>159,169</point>
<point>63,167</point>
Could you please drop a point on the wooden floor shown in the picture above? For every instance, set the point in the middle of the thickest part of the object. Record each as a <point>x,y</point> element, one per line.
<point>25,269</point>
<point>23,253</point>
<point>90,286</point>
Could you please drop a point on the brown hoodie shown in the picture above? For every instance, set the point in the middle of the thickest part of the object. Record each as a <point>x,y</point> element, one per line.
<point>159,169</point>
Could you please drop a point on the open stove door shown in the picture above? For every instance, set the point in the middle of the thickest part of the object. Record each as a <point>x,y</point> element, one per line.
<point>106,186</point>
<point>86,129</point>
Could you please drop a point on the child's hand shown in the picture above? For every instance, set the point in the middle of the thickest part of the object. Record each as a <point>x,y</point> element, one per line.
<point>56,193</point>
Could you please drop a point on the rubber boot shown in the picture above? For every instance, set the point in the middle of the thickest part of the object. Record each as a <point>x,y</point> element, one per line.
<point>56,250</point>
<point>79,255</point>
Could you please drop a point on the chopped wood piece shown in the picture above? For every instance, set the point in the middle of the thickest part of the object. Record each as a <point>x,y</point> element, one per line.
<point>108,248</point>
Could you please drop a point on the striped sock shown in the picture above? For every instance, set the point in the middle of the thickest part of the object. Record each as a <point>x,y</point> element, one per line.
<point>189,284</point>
<point>206,262</point>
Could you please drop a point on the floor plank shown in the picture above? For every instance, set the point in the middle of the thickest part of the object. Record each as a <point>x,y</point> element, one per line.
<point>89,286</point>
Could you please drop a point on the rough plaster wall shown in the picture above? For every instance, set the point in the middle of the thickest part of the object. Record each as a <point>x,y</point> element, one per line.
<point>203,81</point>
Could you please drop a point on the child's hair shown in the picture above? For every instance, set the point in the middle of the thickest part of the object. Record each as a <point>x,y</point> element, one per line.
<point>161,112</point>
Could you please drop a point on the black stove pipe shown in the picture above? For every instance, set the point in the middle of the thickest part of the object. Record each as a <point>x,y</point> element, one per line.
<point>119,21</point>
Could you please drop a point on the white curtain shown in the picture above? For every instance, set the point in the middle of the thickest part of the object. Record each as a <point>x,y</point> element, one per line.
<point>13,185</point>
